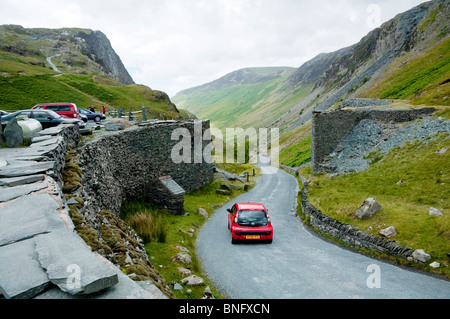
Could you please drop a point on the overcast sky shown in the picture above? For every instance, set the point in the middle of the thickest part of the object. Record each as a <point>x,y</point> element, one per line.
<point>172,45</point>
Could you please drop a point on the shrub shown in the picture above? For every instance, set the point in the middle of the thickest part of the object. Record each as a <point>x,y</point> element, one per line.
<point>148,227</point>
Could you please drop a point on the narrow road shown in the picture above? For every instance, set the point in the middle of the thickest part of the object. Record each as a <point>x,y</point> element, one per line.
<point>300,264</point>
<point>49,60</point>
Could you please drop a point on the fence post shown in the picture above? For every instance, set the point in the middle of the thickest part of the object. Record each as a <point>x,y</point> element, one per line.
<point>144,113</point>
<point>130,115</point>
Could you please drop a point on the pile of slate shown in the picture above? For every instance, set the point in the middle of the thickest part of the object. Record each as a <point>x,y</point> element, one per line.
<point>41,255</point>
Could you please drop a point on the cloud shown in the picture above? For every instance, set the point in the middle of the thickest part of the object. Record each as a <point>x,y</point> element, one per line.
<point>171,45</point>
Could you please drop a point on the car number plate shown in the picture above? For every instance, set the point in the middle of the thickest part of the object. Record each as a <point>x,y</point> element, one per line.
<point>252,237</point>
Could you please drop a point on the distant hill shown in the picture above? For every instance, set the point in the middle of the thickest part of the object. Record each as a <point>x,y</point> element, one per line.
<point>407,57</point>
<point>70,65</point>
<point>230,99</point>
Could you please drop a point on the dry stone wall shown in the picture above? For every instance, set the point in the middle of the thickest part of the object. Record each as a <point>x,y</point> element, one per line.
<point>347,233</point>
<point>132,164</point>
<point>41,255</point>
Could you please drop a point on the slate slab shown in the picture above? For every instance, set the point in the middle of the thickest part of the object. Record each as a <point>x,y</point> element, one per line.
<point>9,193</point>
<point>28,216</point>
<point>48,141</point>
<point>50,131</point>
<point>126,288</point>
<point>22,277</point>
<point>26,168</point>
<point>71,265</point>
<point>172,186</point>
<point>27,156</point>
<point>40,138</point>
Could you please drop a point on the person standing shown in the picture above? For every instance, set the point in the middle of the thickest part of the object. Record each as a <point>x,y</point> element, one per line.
<point>103,109</point>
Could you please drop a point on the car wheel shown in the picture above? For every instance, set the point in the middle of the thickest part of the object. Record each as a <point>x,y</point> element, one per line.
<point>97,119</point>
<point>234,241</point>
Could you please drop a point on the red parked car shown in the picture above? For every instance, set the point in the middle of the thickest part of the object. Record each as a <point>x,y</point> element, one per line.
<point>69,110</point>
<point>249,221</point>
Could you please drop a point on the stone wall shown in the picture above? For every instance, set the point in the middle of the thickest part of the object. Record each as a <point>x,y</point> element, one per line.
<point>330,128</point>
<point>39,248</point>
<point>37,254</point>
<point>130,164</point>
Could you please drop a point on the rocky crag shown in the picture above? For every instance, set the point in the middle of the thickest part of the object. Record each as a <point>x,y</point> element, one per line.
<point>73,50</point>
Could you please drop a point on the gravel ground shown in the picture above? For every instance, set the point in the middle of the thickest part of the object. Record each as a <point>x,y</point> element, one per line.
<point>370,136</point>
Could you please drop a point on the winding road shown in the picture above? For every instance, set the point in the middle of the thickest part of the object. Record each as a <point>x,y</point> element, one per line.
<point>49,60</point>
<point>299,264</point>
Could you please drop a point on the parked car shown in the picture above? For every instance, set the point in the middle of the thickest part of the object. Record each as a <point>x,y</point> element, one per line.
<point>3,113</point>
<point>92,116</point>
<point>69,110</point>
<point>249,221</point>
<point>47,118</point>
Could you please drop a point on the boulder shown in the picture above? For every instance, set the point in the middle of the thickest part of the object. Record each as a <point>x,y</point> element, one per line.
<point>207,294</point>
<point>183,258</point>
<point>369,208</point>
<point>110,126</point>
<point>203,212</point>
<point>388,232</point>
<point>435,264</point>
<point>177,286</point>
<point>434,212</point>
<point>421,255</point>
<point>193,280</point>
<point>13,134</point>
<point>184,271</point>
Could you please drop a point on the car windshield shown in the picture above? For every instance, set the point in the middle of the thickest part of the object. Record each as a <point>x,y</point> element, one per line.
<point>52,114</point>
<point>12,115</point>
<point>252,218</point>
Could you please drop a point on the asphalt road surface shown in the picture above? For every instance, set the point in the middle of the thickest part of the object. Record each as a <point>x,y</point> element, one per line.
<point>299,264</point>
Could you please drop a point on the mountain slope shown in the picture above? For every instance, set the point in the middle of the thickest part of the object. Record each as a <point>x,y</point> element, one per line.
<point>73,50</point>
<point>408,39</point>
<point>90,72</point>
<point>232,97</point>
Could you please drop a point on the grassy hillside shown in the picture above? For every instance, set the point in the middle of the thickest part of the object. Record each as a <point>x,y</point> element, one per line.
<point>424,177</point>
<point>423,78</point>
<point>232,100</point>
<point>295,146</point>
<point>26,78</point>
<point>21,92</point>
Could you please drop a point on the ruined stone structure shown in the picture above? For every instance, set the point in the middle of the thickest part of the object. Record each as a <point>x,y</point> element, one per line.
<point>330,128</point>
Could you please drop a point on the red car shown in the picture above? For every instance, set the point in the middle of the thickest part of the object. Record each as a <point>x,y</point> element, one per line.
<point>69,110</point>
<point>249,221</point>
